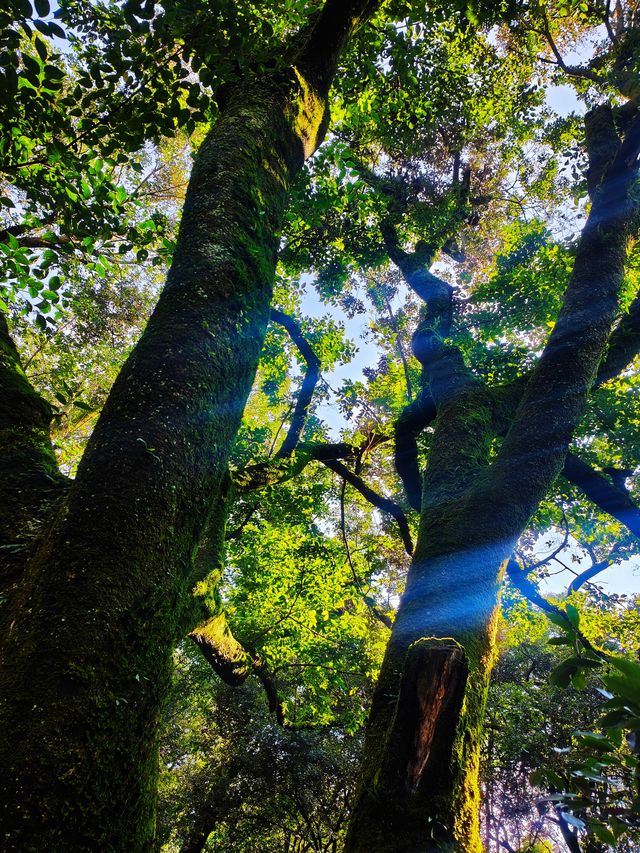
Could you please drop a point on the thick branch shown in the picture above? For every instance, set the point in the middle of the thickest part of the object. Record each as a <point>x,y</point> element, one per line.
<point>414,266</point>
<point>624,345</point>
<point>30,479</point>
<point>553,401</point>
<point>603,493</point>
<point>227,657</point>
<point>444,369</point>
<point>233,662</point>
<point>311,377</point>
<point>584,577</point>
<point>280,469</point>
<point>317,58</point>
<point>412,421</point>
<point>23,228</point>
<point>383,504</point>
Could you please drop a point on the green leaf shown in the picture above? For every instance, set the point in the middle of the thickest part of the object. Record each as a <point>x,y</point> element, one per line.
<point>594,740</point>
<point>627,667</point>
<point>561,675</point>
<point>559,619</point>
<point>56,30</point>
<point>615,718</point>
<point>574,615</point>
<point>579,680</point>
<point>42,7</point>
<point>41,48</point>
<point>625,688</point>
<point>602,832</point>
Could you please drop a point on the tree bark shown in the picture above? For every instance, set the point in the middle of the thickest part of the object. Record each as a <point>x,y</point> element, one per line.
<point>86,660</point>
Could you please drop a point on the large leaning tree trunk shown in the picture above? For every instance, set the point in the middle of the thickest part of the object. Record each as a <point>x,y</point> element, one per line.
<point>419,785</point>
<point>98,571</point>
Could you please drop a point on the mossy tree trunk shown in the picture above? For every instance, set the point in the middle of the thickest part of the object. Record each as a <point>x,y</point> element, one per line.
<point>419,790</point>
<point>95,610</point>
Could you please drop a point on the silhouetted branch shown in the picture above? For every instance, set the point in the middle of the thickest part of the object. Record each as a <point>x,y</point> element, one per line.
<point>411,422</point>
<point>379,615</point>
<point>383,504</point>
<point>602,492</point>
<point>237,531</point>
<point>569,835</point>
<point>311,377</point>
<point>530,591</point>
<point>280,469</point>
<point>607,23</point>
<point>569,70</point>
<point>584,577</point>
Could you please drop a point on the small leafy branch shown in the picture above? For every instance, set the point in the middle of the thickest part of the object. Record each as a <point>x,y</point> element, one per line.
<point>600,792</point>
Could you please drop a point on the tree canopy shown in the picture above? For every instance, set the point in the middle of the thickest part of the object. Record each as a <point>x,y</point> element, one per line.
<point>319,327</point>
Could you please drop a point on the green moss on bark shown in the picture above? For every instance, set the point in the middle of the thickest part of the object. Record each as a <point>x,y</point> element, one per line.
<point>86,663</point>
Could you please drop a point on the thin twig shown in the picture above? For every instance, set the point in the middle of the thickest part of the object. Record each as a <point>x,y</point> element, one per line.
<point>382,617</point>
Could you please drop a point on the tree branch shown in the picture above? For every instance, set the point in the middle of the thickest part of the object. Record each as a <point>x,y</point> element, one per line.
<point>280,469</point>
<point>530,591</point>
<point>31,481</point>
<point>602,492</point>
<point>624,345</point>
<point>570,70</point>
<point>321,45</point>
<point>379,615</point>
<point>227,657</point>
<point>414,266</point>
<point>411,422</point>
<point>607,23</point>
<point>584,577</point>
<point>383,504</point>
<point>311,377</point>
<point>234,662</point>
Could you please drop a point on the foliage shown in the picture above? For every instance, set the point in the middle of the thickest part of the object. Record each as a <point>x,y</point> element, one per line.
<point>228,767</point>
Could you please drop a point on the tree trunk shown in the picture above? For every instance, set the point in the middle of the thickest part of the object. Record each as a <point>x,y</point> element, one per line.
<point>419,785</point>
<point>418,790</point>
<point>86,660</point>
